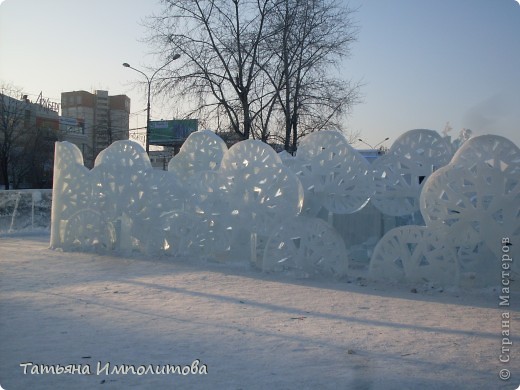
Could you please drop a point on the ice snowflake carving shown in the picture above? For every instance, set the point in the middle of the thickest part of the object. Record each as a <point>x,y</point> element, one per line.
<point>476,200</point>
<point>72,189</point>
<point>209,206</point>
<point>86,230</point>
<point>333,174</point>
<point>117,176</point>
<point>469,206</point>
<point>415,253</point>
<point>76,222</point>
<point>262,191</point>
<point>202,151</point>
<point>306,246</point>
<point>400,174</point>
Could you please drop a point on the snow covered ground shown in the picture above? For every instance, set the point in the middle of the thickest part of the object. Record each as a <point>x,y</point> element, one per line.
<point>249,330</point>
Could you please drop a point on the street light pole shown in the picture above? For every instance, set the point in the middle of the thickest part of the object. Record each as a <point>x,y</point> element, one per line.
<point>149,81</point>
<point>373,147</point>
<point>386,139</point>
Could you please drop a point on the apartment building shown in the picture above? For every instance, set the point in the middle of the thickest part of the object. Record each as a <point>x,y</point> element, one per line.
<point>28,131</point>
<point>92,121</point>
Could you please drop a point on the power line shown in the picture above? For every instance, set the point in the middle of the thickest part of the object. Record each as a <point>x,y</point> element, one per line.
<point>138,112</point>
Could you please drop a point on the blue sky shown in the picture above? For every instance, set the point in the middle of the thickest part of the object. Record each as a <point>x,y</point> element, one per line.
<point>422,63</point>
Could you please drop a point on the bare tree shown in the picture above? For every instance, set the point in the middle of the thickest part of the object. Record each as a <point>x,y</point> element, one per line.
<point>12,131</point>
<point>26,141</point>
<point>311,37</point>
<point>219,41</point>
<point>260,68</point>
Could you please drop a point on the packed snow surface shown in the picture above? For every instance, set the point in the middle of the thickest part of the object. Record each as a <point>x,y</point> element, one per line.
<point>247,329</point>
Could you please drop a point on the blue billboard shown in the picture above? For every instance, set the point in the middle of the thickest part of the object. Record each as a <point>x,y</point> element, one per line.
<point>170,132</point>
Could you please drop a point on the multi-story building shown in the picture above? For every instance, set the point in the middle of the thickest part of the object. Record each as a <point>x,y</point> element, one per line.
<point>27,134</point>
<point>93,121</point>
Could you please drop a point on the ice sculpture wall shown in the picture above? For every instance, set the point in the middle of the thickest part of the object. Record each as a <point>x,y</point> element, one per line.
<point>333,174</point>
<point>400,174</point>
<point>203,152</point>
<point>306,246</point>
<point>212,200</point>
<point>207,202</point>
<point>469,206</point>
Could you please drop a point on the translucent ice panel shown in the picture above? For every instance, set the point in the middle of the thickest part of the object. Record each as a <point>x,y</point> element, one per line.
<point>400,174</point>
<point>202,151</point>
<point>333,174</point>
<point>306,246</point>
<point>262,191</point>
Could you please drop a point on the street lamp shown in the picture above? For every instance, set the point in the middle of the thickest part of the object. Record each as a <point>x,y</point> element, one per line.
<point>373,147</point>
<point>149,80</point>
